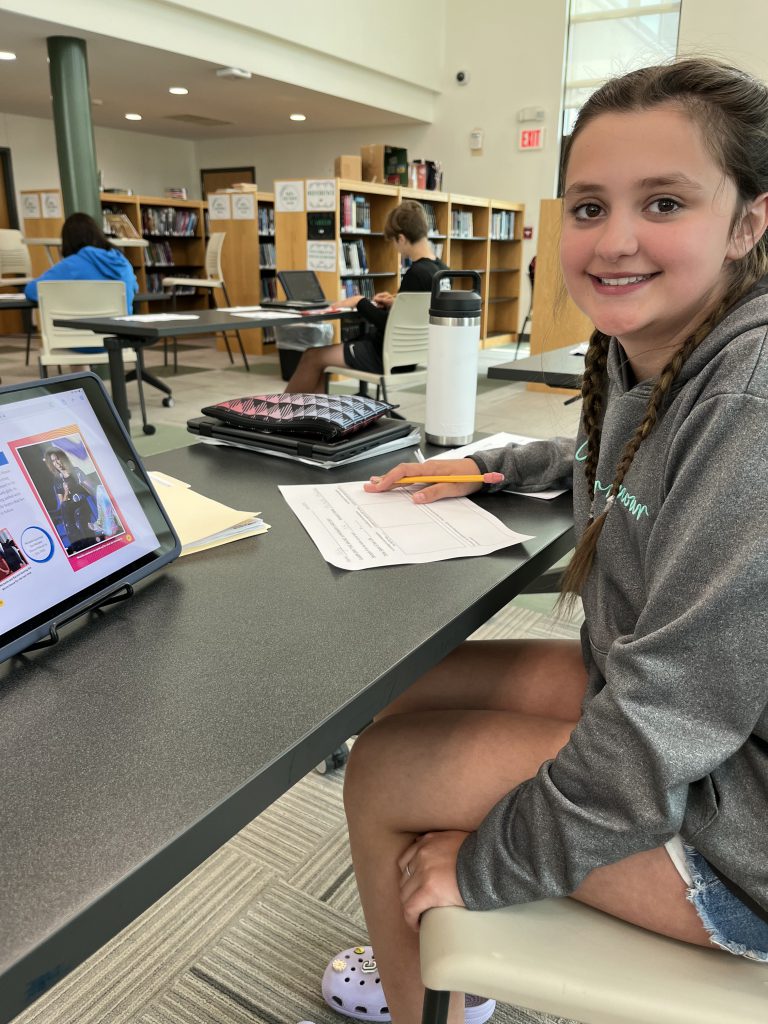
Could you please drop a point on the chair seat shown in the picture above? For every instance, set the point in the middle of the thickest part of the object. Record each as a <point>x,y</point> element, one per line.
<point>569,960</point>
<point>67,356</point>
<point>191,282</point>
<point>12,282</point>
<point>390,379</point>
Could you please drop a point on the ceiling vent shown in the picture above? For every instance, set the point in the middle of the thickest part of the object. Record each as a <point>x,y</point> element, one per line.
<point>204,122</point>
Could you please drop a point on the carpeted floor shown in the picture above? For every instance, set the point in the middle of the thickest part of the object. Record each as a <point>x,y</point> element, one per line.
<point>245,938</point>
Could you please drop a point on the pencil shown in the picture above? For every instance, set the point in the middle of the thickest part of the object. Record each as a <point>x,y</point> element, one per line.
<point>476,478</point>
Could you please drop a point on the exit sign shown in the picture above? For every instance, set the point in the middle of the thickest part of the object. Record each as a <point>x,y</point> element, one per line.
<point>531,138</point>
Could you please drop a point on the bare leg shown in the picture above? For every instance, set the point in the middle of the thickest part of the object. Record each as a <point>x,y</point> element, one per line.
<point>445,769</point>
<point>308,375</point>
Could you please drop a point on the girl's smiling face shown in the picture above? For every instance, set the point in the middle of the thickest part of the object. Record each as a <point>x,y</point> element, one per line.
<point>647,230</point>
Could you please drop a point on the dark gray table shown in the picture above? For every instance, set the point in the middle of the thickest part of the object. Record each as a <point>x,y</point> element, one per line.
<point>558,369</point>
<point>120,334</point>
<point>157,729</point>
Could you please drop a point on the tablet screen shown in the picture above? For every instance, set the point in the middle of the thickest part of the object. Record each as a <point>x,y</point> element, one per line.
<point>78,516</point>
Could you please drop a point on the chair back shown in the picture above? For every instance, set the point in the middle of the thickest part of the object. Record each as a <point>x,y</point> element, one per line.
<point>407,332</point>
<point>14,254</point>
<point>213,255</point>
<point>57,299</point>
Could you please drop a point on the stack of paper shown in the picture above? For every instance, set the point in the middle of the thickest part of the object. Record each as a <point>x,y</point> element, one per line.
<point>201,522</point>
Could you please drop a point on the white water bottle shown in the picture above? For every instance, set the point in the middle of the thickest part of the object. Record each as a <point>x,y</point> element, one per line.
<point>454,341</point>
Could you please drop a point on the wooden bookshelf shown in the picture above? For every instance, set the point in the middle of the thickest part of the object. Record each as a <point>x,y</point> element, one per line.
<point>42,217</point>
<point>468,243</point>
<point>248,259</point>
<point>556,320</point>
<point>502,301</point>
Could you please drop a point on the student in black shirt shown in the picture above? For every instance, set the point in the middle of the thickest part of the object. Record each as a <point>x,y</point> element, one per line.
<point>406,227</point>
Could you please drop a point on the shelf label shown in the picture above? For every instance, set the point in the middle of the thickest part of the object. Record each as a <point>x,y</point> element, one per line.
<point>30,204</point>
<point>321,194</point>
<point>531,138</point>
<point>218,207</point>
<point>289,196</point>
<point>243,206</point>
<point>321,256</point>
<point>51,204</point>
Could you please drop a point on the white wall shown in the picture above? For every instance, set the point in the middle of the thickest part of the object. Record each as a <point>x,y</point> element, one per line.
<point>145,163</point>
<point>734,31</point>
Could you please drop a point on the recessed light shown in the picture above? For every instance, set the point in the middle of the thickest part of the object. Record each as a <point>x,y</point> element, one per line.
<point>133,117</point>
<point>298,117</point>
<point>7,55</point>
<point>178,90</point>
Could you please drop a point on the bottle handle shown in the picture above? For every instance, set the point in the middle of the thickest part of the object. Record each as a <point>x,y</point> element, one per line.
<point>443,275</point>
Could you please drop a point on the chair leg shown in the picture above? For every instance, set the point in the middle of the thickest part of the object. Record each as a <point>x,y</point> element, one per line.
<point>142,404</point>
<point>237,333</point>
<point>43,369</point>
<point>26,317</point>
<point>435,1008</point>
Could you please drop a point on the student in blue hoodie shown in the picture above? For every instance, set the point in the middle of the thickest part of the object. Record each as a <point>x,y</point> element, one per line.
<point>87,255</point>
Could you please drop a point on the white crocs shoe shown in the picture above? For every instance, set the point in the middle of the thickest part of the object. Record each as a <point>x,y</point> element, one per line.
<point>352,987</point>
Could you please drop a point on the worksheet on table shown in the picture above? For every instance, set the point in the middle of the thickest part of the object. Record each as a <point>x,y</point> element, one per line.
<point>357,530</point>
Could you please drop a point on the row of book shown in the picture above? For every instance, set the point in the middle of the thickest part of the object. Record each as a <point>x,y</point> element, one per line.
<point>267,255</point>
<point>503,225</point>
<point>462,224</point>
<point>159,253</point>
<point>118,224</point>
<point>269,287</point>
<point>266,220</point>
<point>155,283</point>
<point>168,220</point>
<point>355,213</point>
<point>352,258</point>
<point>359,286</point>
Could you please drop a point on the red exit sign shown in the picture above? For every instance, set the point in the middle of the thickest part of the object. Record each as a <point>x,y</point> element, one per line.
<point>531,138</point>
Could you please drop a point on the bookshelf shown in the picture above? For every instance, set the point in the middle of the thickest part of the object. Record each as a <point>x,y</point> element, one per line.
<point>368,263</point>
<point>502,313</point>
<point>556,319</point>
<point>42,217</point>
<point>468,245</point>
<point>248,257</point>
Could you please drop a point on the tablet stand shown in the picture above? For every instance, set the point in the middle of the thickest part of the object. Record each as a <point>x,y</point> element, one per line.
<point>121,594</point>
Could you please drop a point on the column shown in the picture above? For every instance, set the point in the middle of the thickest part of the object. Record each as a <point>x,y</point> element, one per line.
<point>74,129</point>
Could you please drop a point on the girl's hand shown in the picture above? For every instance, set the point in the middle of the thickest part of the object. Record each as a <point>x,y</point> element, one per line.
<point>428,875</point>
<point>429,492</point>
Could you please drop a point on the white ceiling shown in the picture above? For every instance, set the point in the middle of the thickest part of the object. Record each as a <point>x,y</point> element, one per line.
<point>128,78</point>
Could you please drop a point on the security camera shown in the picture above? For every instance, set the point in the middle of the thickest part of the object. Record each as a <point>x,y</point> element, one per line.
<point>462,77</point>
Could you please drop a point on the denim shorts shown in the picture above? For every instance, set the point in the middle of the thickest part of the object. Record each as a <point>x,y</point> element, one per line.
<point>729,922</point>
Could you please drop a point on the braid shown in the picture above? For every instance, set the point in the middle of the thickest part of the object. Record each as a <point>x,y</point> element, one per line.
<point>580,565</point>
<point>593,395</point>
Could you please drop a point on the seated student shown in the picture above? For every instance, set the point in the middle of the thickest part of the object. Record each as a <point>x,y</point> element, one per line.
<point>406,226</point>
<point>87,255</point>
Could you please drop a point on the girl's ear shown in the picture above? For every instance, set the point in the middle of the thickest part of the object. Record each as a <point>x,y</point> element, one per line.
<point>750,228</point>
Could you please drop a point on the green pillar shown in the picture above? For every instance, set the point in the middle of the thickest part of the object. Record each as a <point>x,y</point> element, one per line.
<point>74,128</point>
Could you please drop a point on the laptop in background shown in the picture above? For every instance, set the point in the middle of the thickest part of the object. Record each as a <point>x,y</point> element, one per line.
<point>302,289</point>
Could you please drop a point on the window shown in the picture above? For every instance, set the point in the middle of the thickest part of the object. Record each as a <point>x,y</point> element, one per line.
<point>609,37</point>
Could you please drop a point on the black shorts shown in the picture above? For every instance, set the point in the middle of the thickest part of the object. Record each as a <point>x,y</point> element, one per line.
<point>363,354</point>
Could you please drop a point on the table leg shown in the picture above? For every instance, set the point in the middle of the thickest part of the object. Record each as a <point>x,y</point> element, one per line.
<point>117,377</point>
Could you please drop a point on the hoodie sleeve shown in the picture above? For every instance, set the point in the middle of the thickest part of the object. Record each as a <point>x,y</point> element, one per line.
<point>682,693</point>
<point>537,466</point>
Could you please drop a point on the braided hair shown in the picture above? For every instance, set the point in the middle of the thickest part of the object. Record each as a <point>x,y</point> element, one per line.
<point>731,110</point>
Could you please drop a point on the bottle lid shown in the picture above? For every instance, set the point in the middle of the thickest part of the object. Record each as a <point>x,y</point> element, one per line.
<point>453,302</point>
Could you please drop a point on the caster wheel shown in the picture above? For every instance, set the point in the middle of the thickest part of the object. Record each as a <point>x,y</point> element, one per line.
<point>168,402</point>
<point>149,429</point>
<point>334,761</point>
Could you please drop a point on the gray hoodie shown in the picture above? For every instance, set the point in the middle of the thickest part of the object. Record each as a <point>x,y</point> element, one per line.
<point>674,733</point>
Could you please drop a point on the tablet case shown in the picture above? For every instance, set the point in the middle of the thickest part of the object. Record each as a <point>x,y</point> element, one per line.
<point>328,417</point>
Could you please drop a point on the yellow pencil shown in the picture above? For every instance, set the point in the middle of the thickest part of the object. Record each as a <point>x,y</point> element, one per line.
<point>476,478</point>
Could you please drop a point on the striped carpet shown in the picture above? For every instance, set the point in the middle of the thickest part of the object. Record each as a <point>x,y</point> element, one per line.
<point>245,938</point>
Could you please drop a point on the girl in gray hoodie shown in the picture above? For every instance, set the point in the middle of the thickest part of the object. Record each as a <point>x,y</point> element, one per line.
<point>630,771</point>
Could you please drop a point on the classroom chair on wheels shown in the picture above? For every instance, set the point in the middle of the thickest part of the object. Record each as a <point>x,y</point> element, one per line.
<point>560,957</point>
<point>62,299</point>
<point>405,345</point>
<point>213,280</point>
<point>16,271</point>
